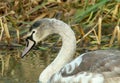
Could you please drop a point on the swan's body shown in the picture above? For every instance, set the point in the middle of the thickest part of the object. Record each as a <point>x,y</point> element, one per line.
<point>92,67</point>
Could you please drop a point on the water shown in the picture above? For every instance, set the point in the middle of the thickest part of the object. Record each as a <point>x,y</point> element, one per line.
<point>26,70</point>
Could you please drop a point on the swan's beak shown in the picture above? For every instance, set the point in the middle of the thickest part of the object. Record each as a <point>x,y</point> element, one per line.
<point>30,45</point>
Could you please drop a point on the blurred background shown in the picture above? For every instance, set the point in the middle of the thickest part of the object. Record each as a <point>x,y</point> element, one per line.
<point>96,24</point>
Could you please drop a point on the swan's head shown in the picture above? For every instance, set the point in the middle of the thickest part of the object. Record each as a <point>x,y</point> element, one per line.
<point>38,31</point>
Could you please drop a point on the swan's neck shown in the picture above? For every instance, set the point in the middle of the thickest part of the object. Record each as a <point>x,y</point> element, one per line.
<point>65,54</point>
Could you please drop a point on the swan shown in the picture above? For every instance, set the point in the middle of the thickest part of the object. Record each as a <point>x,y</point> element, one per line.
<point>102,66</point>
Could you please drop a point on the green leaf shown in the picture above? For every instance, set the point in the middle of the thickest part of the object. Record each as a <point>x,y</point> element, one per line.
<point>82,13</point>
<point>43,48</point>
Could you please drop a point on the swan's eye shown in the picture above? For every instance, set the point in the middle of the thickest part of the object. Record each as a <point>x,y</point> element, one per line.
<point>30,37</point>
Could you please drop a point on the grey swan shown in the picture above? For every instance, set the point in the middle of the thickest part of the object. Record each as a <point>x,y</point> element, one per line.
<point>101,66</point>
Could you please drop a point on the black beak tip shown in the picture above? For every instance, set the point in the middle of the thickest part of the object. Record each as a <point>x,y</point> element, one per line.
<point>22,56</point>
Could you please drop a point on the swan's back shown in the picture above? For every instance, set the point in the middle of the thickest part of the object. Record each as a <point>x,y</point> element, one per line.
<point>89,67</point>
<point>100,61</point>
